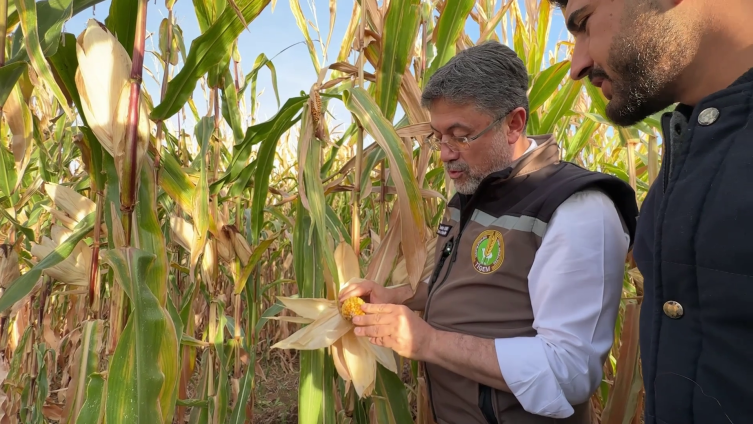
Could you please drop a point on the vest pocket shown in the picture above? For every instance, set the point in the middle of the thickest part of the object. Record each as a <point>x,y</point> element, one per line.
<point>485,403</point>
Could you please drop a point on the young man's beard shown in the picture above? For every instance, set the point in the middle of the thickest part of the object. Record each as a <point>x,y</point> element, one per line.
<point>498,158</point>
<point>646,60</point>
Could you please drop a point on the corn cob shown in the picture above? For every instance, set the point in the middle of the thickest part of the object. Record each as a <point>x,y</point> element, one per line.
<point>352,307</point>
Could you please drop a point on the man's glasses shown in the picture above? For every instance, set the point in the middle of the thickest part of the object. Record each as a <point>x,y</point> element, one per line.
<point>457,144</point>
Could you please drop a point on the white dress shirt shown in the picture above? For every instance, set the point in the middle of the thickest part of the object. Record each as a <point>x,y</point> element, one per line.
<point>575,285</point>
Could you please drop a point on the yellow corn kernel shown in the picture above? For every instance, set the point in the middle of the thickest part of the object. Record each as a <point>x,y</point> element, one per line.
<point>352,307</point>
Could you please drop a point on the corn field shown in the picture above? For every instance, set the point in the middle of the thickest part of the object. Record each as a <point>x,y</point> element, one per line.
<point>141,262</point>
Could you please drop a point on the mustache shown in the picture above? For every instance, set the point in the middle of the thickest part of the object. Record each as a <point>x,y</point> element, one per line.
<point>457,166</point>
<point>598,73</point>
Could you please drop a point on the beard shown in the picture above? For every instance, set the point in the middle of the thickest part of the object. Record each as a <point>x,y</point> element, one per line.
<point>498,158</point>
<point>646,59</point>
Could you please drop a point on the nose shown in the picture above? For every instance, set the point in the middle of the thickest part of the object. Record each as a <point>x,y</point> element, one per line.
<point>446,154</point>
<point>581,62</point>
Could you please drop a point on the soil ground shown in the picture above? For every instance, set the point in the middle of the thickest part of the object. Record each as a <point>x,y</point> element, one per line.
<point>276,395</point>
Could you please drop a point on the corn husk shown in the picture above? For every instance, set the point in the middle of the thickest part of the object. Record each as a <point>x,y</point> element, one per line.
<point>72,270</point>
<point>103,82</point>
<point>76,206</point>
<point>355,357</point>
<point>400,274</point>
<point>9,269</point>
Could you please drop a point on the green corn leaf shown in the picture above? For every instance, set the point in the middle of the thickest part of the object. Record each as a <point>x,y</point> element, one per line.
<point>230,107</point>
<point>409,200</point>
<point>81,383</point>
<point>208,50</point>
<point>137,371</point>
<point>28,14</point>
<point>203,14</point>
<point>176,183</point>
<point>201,415</point>
<point>538,50</point>
<point>78,7</point>
<point>450,25</point>
<point>315,403</point>
<point>65,63</point>
<point>315,194</point>
<point>52,17</point>
<point>598,101</point>
<point>238,415</point>
<point>8,176</point>
<point>561,104</point>
<point>400,29</point>
<point>546,83</point>
<point>221,400</point>
<point>281,122</point>
<point>9,75</point>
<point>260,62</point>
<point>201,195</point>
<point>276,126</point>
<point>122,22</point>
<point>152,240</point>
<point>92,411</point>
<point>23,285</point>
<point>580,139</point>
<point>391,398</point>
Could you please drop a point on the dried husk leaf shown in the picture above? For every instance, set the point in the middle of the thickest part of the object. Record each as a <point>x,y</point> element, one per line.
<point>329,327</point>
<point>242,249</point>
<point>347,263</point>
<point>336,350</point>
<point>104,68</point>
<point>182,232</point>
<point>295,320</point>
<point>69,201</point>
<point>64,219</point>
<point>384,355</point>
<point>209,267</point>
<point>118,233</point>
<point>72,270</point>
<point>400,274</point>
<point>103,81</point>
<point>361,363</point>
<point>311,308</point>
<point>9,267</point>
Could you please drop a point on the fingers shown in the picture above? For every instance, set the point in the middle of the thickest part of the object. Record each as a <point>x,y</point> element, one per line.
<point>374,331</point>
<point>356,290</point>
<point>373,319</point>
<point>381,308</point>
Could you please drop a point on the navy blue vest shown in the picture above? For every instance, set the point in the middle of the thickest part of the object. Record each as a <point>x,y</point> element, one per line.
<point>694,247</point>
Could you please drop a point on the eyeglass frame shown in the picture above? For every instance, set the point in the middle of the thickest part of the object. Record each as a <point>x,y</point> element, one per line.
<point>463,141</point>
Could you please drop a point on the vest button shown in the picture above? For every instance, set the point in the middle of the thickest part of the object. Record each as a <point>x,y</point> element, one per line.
<point>708,116</point>
<point>673,309</point>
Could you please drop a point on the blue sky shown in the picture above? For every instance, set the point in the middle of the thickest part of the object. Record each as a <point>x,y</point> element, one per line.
<point>270,33</point>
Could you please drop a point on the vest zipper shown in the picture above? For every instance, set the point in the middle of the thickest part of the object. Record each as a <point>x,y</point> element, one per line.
<point>450,248</point>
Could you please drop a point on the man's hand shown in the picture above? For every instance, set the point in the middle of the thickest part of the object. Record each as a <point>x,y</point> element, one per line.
<point>395,327</point>
<point>371,292</point>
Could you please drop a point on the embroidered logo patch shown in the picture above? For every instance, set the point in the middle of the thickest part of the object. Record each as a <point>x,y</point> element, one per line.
<point>444,230</point>
<point>488,251</point>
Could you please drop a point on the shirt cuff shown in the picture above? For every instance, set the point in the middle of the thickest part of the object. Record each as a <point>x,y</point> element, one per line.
<point>526,371</point>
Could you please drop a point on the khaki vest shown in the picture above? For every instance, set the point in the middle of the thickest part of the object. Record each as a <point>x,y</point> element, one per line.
<point>486,247</point>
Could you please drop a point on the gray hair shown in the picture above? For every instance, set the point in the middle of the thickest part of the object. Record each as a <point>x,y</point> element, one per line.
<point>490,75</point>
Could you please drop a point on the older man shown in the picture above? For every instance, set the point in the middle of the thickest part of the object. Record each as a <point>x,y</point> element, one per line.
<point>520,311</point>
<point>692,243</point>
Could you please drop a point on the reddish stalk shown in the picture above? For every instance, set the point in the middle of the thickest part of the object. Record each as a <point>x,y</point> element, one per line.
<point>128,182</point>
<point>94,270</point>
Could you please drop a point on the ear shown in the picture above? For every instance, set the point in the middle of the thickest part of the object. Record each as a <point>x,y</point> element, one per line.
<point>516,124</point>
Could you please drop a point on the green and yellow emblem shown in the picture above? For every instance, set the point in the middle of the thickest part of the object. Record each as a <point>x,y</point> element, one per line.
<point>488,252</point>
